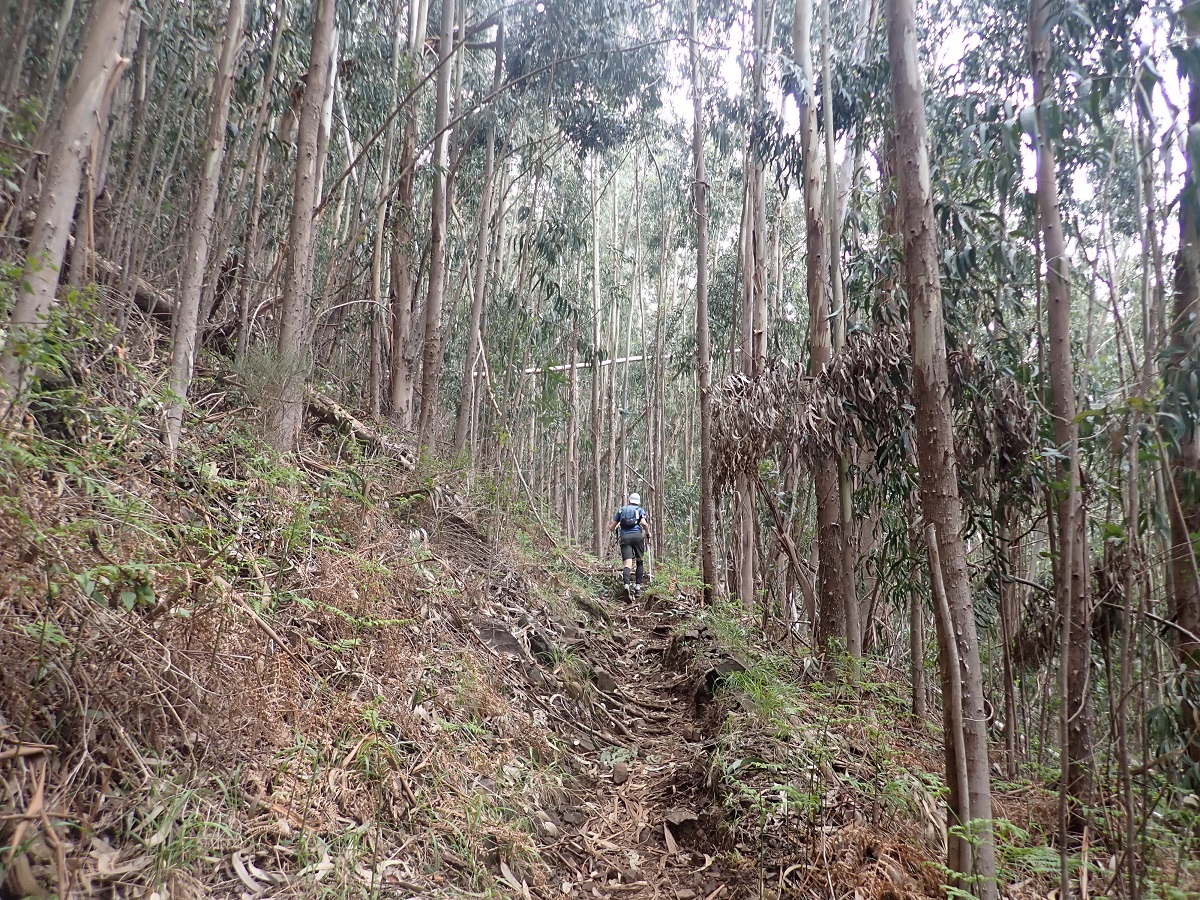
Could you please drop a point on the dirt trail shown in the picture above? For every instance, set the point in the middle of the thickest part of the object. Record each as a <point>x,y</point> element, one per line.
<point>643,823</point>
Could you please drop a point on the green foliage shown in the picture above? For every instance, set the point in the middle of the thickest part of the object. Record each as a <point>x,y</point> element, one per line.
<point>1173,729</point>
<point>597,71</point>
<point>126,585</point>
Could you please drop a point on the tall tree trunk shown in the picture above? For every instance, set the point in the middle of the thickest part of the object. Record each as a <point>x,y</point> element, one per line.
<point>571,473</point>
<point>940,503</point>
<point>68,150</point>
<point>1071,582</point>
<point>403,278</point>
<point>183,344</point>
<point>831,606</point>
<point>853,630</point>
<point>755,330</point>
<point>708,522</point>
<point>1183,351</point>
<point>482,258</point>
<point>431,352</point>
<point>381,212</point>
<point>597,353</point>
<point>293,344</point>
<point>16,41</point>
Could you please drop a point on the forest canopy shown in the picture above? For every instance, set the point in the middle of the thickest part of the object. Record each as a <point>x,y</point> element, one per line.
<point>889,312</point>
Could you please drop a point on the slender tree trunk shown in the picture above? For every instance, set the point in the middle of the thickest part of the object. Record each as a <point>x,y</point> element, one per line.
<point>431,352</point>
<point>482,259</point>
<point>1009,611</point>
<point>660,420</point>
<point>846,560</point>
<point>381,212</point>
<point>251,253</point>
<point>293,343</point>
<point>1071,583</point>
<point>183,344</point>
<point>226,229</point>
<point>708,528</point>
<point>60,35</point>
<point>571,517</point>
<point>959,849</point>
<point>916,649</point>
<point>940,503</point>
<point>1183,351</point>
<point>402,284</point>
<point>68,151</point>
<point>597,353</point>
<point>16,41</point>
<point>831,607</point>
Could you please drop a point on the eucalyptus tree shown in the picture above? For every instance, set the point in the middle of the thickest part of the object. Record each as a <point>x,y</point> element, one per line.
<point>294,323</point>
<point>187,310</point>
<point>68,153</point>
<point>708,566</point>
<point>431,359</point>
<point>404,279</point>
<point>1071,569</point>
<point>1183,380</point>
<point>852,631</point>
<point>467,397</point>
<point>831,613</point>
<point>940,503</point>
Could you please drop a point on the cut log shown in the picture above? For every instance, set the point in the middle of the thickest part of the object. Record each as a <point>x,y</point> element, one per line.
<point>325,409</point>
<point>146,296</point>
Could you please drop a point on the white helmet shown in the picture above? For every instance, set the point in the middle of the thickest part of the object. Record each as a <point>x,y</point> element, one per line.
<point>635,499</point>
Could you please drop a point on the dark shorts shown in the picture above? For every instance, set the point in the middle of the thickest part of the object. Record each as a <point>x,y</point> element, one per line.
<point>633,546</point>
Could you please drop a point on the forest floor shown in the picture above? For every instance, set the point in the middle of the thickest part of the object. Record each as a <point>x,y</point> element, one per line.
<point>232,674</point>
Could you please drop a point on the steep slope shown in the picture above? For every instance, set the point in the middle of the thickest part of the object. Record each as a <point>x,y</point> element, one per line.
<point>231,674</point>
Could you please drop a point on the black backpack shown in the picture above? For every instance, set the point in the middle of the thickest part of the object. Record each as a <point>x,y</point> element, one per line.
<point>630,515</point>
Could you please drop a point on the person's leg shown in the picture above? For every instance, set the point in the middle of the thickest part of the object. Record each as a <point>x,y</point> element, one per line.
<point>639,553</point>
<point>627,562</point>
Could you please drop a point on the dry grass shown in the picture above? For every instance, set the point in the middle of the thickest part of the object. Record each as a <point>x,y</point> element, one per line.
<point>296,700</point>
<point>234,675</point>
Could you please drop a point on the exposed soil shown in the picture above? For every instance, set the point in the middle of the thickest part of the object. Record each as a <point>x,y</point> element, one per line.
<point>643,821</point>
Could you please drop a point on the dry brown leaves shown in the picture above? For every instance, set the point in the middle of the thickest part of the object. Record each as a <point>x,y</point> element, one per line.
<point>862,399</point>
<point>323,695</point>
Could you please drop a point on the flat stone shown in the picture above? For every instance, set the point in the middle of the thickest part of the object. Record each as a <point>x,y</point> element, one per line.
<point>620,772</point>
<point>500,639</point>
<point>572,817</point>
<point>679,816</point>
<point>605,682</point>
<point>542,649</point>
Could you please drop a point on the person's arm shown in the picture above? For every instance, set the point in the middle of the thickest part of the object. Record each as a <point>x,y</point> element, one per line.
<point>645,526</point>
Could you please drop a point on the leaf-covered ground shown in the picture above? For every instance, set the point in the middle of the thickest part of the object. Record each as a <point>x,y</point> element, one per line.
<point>233,675</point>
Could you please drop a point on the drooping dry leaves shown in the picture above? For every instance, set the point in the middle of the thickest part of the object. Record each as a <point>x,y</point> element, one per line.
<point>863,400</point>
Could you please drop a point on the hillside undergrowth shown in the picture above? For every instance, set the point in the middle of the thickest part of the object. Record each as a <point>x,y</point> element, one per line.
<point>231,673</point>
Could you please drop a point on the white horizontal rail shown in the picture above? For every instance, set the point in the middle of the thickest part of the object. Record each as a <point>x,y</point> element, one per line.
<point>537,370</point>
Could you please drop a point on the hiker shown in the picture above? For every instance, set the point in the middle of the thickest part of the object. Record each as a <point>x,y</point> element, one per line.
<point>633,531</point>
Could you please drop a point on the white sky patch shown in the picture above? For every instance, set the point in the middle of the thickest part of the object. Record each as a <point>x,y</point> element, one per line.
<point>1150,31</point>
